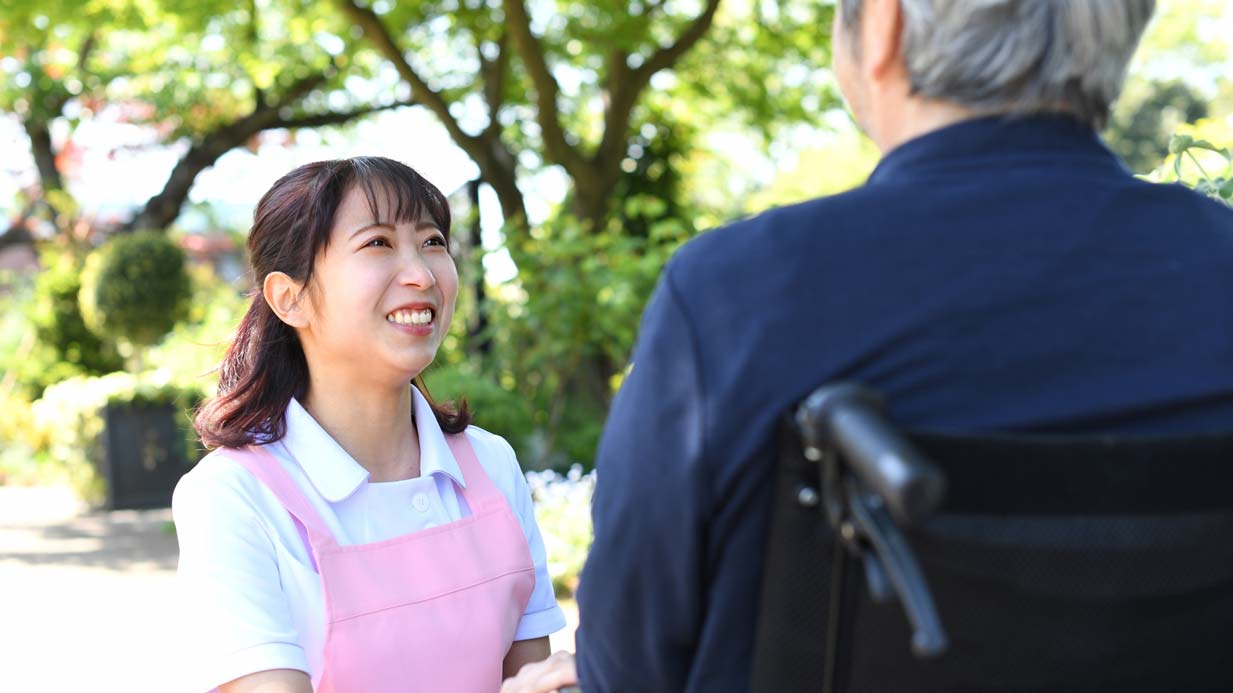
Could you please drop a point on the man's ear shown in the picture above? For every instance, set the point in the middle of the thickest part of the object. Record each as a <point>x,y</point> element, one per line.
<point>283,294</point>
<point>881,36</point>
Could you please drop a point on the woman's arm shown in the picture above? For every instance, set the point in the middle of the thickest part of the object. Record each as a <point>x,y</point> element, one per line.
<point>274,681</point>
<point>524,652</point>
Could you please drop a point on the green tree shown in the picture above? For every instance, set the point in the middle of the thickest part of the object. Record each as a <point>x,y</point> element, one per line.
<point>573,86</point>
<point>207,74</point>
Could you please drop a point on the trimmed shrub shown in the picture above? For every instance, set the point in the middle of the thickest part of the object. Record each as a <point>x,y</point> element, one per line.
<point>135,288</point>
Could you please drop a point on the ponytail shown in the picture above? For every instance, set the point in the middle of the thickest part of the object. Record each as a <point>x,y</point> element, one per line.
<point>263,369</point>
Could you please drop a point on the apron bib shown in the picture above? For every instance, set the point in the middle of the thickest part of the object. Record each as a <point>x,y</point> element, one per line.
<point>432,611</point>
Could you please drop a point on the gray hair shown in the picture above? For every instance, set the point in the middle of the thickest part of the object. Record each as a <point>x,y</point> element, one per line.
<point>1020,56</point>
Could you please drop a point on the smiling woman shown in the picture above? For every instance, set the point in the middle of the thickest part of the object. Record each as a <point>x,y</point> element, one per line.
<point>348,533</point>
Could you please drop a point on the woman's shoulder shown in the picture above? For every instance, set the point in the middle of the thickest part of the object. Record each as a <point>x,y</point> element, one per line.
<point>497,457</point>
<point>218,487</point>
<point>489,441</point>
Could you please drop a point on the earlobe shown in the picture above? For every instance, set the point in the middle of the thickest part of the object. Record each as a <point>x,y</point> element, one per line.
<point>282,294</point>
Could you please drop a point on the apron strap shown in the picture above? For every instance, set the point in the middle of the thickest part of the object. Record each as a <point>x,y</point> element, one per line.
<point>268,469</point>
<point>478,488</point>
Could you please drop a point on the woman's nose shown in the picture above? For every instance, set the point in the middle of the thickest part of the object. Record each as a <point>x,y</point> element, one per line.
<point>416,272</point>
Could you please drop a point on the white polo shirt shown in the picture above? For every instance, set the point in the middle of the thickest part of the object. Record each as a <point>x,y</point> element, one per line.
<point>250,598</point>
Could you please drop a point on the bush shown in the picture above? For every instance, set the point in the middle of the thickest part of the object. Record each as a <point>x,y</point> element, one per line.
<point>567,325</point>
<point>494,408</point>
<point>195,347</point>
<point>67,424</point>
<point>65,347</point>
<point>135,288</point>
<point>18,459</point>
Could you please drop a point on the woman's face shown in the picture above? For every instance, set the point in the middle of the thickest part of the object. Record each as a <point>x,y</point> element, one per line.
<point>382,296</point>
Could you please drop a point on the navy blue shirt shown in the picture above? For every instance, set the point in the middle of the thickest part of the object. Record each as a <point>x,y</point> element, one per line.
<point>995,275</point>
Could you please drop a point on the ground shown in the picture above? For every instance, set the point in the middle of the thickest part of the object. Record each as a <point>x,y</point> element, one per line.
<point>85,597</point>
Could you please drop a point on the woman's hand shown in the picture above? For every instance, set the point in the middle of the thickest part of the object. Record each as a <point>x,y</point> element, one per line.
<point>547,676</point>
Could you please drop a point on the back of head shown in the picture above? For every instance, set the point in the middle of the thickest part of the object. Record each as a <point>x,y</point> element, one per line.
<point>1019,56</point>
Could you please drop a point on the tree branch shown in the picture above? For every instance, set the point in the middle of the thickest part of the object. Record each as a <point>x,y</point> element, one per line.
<point>87,47</point>
<point>494,72</point>
<point>321,119</point>
<point>625,86</point>
<point>497,164</point>
<point>254,39</point>
<point>376,31</point>
<point>667,56</point>
<point>298,90</point>
<point>548,114</point>
<point>161,210</point>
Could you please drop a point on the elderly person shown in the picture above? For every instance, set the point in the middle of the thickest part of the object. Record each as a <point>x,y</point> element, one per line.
<point>1000,271</point>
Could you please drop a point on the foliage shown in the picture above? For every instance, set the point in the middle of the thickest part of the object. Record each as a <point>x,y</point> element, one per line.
<point>67,423</point>
<point>577,301</point>
<point>17,452</point>
<point>563,511</point>
<point>1145,119</point>
<point>209,74</point>
<point>195,347</point>
<point>494,408</point>
<point>608,96</point>
<point>65,345</point>
<point>843,160</point>
<point>135,288</point>
<point>1198,163</point>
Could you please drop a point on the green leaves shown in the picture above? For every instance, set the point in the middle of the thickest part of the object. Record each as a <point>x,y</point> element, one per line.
<point>135,288</point>
<point>1215,178</point>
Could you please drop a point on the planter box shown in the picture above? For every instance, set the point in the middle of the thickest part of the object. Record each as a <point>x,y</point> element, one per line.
<point>143,455</point>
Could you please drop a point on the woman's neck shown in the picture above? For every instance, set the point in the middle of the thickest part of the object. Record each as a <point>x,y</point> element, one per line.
<point>374,425</point>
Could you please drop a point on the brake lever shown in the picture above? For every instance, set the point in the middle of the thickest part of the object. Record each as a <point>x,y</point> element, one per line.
<point>896,565</point>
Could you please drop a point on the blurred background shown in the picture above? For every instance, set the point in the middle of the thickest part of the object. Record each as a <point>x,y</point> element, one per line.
<point>580,143</point>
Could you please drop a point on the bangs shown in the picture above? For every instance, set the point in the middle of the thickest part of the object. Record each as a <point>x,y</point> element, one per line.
<point>396,193</point>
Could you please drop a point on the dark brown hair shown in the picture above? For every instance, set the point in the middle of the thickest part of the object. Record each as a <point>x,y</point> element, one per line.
<point>265,365</point>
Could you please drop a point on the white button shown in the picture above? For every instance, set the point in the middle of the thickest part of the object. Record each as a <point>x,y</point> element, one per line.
<point>420,503</point>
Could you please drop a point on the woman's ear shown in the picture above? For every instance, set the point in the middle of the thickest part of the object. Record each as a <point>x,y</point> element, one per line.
<point>283,294</point>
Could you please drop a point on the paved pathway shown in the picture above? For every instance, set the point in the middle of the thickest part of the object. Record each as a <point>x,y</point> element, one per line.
<point>85,597</point>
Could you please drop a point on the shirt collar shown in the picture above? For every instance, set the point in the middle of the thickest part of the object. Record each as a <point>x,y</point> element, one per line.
<point>336,475</point>
<point>997,138</point>
<point>435,454</point>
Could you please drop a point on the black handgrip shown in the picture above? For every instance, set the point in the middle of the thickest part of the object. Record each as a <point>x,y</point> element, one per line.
<point>849,417</point>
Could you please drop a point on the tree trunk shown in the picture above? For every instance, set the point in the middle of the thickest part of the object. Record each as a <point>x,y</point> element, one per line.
<point>479,342</point>
<point>44,155</point>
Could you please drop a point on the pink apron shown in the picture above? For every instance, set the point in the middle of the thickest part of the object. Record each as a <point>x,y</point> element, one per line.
<point>432,611</point>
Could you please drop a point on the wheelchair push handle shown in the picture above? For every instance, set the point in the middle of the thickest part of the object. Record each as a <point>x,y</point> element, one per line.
<point>849,417</point>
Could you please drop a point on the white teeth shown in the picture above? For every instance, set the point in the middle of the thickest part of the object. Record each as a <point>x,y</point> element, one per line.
<point>411,317</point>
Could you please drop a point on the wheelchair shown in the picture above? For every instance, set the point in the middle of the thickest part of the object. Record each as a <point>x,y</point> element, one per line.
<point>921,562</point>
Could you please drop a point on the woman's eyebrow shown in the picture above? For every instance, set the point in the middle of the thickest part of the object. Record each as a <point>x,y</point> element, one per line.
<point>366,227</point>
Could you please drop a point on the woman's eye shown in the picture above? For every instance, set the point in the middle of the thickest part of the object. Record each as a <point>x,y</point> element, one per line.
<point>436,240</point>
<point>377,242</point>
